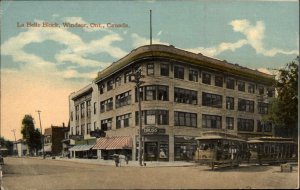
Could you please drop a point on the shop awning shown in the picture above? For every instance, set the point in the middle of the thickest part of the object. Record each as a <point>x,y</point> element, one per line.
<point>81,147</point>
<point>112,143</point>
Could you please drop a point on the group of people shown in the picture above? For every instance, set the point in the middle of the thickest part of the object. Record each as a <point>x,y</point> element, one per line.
<point>118,159</point>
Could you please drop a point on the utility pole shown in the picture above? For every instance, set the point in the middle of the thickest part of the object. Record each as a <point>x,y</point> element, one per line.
<point>137,76</point>
<point>14,131</point>
<point>150,27</point>
<point>42,137</point>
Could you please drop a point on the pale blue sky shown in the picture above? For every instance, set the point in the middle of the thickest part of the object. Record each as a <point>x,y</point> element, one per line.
<point>255,34</point>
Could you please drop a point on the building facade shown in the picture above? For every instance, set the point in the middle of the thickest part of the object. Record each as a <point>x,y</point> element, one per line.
<point>53,137</point>
<point>182,95</point>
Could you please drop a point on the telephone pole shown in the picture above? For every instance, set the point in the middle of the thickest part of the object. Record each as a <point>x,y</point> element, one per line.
<point>14,131</point>
<point>137,76</point>
<point>42,137</point>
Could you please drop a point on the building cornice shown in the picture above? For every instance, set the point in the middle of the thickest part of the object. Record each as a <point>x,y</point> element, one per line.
<point>171,52</point>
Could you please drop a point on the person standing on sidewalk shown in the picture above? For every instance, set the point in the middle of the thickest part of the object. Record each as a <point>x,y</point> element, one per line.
<point>117,161</point>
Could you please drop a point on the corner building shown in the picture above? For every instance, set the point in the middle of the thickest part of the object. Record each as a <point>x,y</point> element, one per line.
<point>183,94</point>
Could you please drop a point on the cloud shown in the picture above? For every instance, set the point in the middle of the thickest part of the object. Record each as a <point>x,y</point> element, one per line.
<point>77,50</point>
<point>138,41</point>
<point>254,35</point>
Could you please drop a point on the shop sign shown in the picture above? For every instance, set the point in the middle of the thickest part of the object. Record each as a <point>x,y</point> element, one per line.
<point>76,137</point>
<point>97,133</point>
<point>152,130</point>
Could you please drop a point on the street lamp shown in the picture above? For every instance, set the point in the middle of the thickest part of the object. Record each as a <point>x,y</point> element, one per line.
<point>42,137</point>
<point>137,76</point>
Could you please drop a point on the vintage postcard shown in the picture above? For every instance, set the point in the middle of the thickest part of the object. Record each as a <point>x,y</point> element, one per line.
<point>154,94</point>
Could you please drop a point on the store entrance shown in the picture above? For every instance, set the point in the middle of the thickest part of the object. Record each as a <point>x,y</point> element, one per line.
<point>151,151</point>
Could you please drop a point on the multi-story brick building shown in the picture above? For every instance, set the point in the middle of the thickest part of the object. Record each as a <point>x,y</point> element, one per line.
<point>182,95</point>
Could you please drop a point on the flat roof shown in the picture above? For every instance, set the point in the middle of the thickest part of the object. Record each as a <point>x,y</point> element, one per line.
<point>170,52</point>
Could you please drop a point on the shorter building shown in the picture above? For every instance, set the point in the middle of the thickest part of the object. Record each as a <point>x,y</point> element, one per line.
<point>20,147</point>
<point>53,139</point>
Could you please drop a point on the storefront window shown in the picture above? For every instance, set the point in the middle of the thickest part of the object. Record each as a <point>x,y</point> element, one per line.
<point>184,148</point>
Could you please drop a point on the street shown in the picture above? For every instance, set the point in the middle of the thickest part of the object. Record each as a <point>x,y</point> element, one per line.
<point>36,173</point>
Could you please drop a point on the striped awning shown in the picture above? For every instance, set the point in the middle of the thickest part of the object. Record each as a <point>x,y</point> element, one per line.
<point>81,147</point>
<point>112,143</point>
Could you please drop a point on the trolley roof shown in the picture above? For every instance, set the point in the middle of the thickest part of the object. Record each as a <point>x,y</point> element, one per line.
<point>213,135</point>
<point>270,139</point>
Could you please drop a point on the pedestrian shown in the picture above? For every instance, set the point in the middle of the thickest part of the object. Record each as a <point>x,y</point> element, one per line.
<point>126,159</point>
<point>117,161</point>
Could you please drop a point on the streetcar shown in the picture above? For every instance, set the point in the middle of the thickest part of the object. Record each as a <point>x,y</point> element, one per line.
<point>272,150</point>
<point>220,149</point>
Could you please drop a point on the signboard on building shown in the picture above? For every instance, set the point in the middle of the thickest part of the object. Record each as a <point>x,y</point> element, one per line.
<point>97,133</point>
<point>76,137</point>
<point>152,130</point>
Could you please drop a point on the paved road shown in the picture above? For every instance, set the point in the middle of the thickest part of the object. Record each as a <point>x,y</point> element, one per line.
<point>29,173</point>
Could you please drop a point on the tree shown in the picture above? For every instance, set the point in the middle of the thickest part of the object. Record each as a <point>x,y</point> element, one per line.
<point>6,144</point>
<point>284,108</point>
<point>30,134</point>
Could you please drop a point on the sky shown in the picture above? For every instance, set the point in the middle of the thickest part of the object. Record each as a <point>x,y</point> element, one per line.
<point>41,66</point>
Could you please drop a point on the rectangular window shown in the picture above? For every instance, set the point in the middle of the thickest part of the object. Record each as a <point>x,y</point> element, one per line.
<point>245,105</point>
<point>261,90</point>
<point>163,93</point>
<point>153,117</point>
<point>178,72</point>
<point>219,81</point>
<point>185,96</point>
<point>71,116</point>
<point>263,107</point>
<point>77,112</point>
<point>157,92</point>
<point>106,124</point>
<point>123,121</point>
<point>185,119</point>
<point>110,85</point>
<point>230,83</point>
<point>123,99</point>
<point>229,103</point>
<point>150,69</point>
<point>164,69</point>
<point>193,75</point>
<point>88,128</point>
<point>82,129</point>
<point>77,130</point>
<point>95,125</point>
<point>102,86</point>
<point>82,110</point>
<point>245,124</point>
<point>88,109</point>
<point>106,105</point>
<point>251,88</point>
<point>241,86</point>
<point>212,100</point>
<point>211,121</point>
<point>206,78</point>
<point>118,81</point>
<point>230,123</point>
<point>150,92</point>
<point>127,76</point>
<point>95,107</point>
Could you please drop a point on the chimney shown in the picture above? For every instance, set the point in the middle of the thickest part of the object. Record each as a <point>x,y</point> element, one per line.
<point>63,124</point>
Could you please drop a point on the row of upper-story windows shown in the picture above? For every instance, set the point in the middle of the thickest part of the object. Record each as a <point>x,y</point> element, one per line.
<point>161,117</point>
<point>186,96</point>
<point>193,75</point>
<point>83,113</point>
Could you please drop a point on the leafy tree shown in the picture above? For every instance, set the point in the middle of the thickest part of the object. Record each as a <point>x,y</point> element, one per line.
<point>284,108</point>
<point>7,144</point>
<point>30,134</point>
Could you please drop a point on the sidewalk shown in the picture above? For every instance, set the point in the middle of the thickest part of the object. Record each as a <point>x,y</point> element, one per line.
<point>130,163</point>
